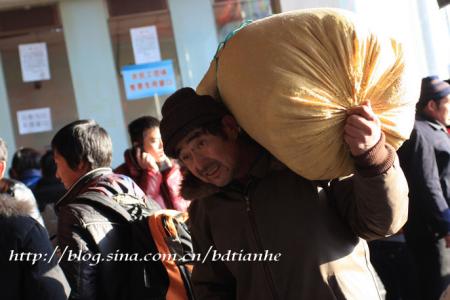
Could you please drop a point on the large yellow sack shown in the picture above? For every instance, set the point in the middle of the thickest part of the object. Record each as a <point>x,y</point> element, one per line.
<point>289,79</point>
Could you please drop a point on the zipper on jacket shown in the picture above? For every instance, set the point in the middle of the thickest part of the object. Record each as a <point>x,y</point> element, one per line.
<point>259,246</point>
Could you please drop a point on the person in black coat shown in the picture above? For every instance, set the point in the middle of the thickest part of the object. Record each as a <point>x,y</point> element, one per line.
<point>26,270</point>
<point>91,220</point>
<point>48,190</point>
<point>425,159</point>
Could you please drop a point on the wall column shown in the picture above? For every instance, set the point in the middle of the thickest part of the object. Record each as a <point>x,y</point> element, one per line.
<point>6,125</point>
<point>195,34</point>
<point>93,69</point>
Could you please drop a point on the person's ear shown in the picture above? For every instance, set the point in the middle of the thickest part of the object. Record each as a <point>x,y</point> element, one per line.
<point>432,106</point>
<point>231,127</point>
<point>83,167</point>
<point>2,168</point>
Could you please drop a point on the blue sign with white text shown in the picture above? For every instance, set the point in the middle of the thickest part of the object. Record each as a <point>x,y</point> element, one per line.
<point>146,80</point>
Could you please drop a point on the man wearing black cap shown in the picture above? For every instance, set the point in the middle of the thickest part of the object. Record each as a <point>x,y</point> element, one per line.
<point>425,159</point>
<point>309,238</point>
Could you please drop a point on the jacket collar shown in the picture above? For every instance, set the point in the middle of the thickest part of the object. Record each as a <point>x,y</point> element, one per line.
<point>438,126</point>
<point>435,124</point>
<point>81,184</point>
<point>262,165</point>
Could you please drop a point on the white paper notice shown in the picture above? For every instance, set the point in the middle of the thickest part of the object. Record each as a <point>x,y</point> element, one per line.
<point>34,62</point>
<point>145,45</point>
<point>34,120</point>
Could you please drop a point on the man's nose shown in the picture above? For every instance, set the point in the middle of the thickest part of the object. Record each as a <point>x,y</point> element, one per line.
<point>200,161</point>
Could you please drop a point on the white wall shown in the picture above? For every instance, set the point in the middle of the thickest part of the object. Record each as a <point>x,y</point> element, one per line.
<point>436,37</point>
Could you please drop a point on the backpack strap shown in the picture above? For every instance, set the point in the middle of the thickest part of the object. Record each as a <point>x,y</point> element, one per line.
<point>162,225</point>
<point>104,201</point>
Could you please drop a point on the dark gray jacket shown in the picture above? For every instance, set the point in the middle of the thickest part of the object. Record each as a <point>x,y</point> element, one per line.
<point>320,236</point>
<point>425,159</point>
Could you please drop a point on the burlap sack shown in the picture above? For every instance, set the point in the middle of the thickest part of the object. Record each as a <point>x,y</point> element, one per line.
<point>289,79</point>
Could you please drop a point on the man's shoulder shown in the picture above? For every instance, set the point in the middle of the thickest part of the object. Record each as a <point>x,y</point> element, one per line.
<point>113,179</point>
<point>89,207</point>
<point>106,195</point>
<point>15,216</point>
<point>78,212</point>
<point>428,132</point>
<point>16,231</point>
<point>422,126</point>
<point>104,181</point>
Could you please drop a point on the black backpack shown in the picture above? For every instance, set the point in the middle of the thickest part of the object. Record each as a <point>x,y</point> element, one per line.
<point>160,254</point>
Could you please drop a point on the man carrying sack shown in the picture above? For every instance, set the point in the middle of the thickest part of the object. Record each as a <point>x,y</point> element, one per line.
<point>247,202</point>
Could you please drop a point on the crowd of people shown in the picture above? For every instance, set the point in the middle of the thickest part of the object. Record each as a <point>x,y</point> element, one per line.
<point>240,199</point>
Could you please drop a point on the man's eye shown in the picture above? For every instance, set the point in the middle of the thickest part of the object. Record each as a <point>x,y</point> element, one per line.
<point>185,157</point>
<point>201,143</point>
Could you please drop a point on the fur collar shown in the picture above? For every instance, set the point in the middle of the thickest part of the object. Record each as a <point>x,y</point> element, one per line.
<point>193,188</point>
<point>10,206</point>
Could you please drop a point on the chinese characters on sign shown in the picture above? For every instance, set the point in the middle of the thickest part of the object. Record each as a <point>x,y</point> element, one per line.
<point>34,120</point>
<point>145,45</point>
<point>148,80</point>
<point>34,62</point>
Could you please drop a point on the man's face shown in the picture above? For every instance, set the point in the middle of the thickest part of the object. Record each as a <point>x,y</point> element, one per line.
<point>63,171</point>
<point>442,112</point>
<point>153,144</point>
<point>213,159</point>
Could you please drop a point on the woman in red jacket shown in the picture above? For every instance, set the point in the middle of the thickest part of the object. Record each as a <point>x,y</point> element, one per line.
<point>157,175</point>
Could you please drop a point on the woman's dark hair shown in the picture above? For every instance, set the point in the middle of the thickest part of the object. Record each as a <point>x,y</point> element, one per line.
<point>137,127</point>
<point>25,159</point>
<point>83,141</point>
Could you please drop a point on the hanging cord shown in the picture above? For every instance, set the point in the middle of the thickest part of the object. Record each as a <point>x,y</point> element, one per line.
<point>222,45</point>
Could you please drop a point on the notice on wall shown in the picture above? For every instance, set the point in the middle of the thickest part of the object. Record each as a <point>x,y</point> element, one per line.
<point>34,120</point>
<point>148,80</point>
<point>34,62</point>
<point>145,44</point>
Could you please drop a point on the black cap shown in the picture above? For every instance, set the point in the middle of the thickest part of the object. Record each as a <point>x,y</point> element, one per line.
<point>185,111</point>
<point>433,89</point>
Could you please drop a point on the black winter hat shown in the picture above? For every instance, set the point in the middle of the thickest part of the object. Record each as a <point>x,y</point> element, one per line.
<point>433,89</point>
<point>185,111</point>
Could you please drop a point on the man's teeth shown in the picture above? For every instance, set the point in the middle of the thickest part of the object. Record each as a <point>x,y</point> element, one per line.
<point>211,171</point>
